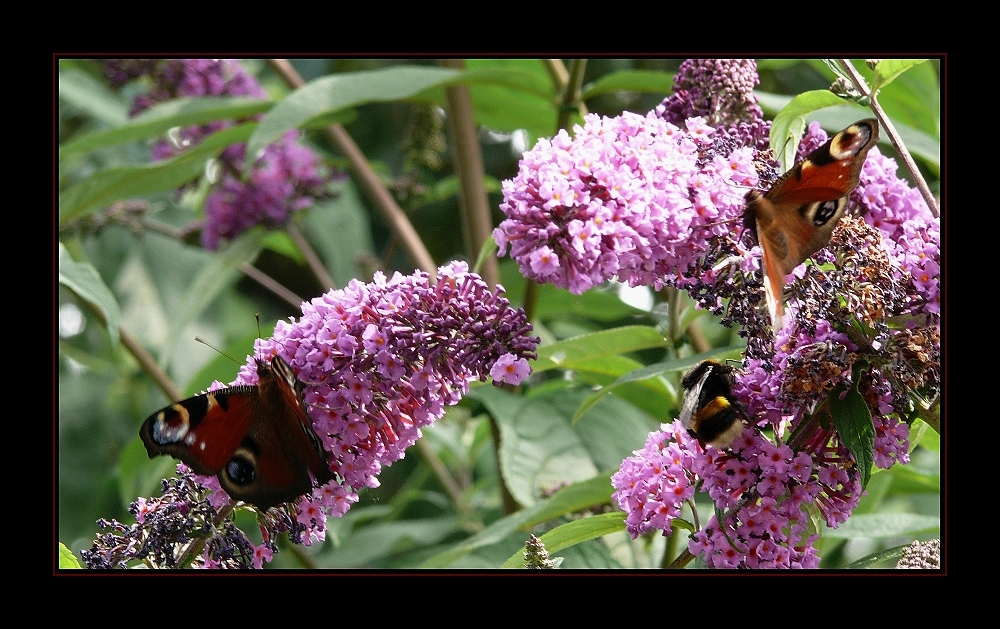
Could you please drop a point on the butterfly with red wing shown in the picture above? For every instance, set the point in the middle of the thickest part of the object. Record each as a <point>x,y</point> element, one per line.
<point>258,440</point>
<point>796,216</point>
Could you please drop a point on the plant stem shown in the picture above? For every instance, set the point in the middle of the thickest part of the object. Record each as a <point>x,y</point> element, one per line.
<point>394,216</point>
<point>149,365</point>
<point>473,202</point>
<point>312,258</point>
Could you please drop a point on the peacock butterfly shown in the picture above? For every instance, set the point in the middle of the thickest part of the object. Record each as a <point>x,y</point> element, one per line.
<point>258,440</point>
<point>796,216</point>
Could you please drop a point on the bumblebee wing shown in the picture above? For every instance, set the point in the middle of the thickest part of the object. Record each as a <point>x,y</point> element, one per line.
<point>691,397</point>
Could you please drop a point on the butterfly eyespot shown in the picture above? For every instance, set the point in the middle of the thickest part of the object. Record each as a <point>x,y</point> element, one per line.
<point>241,470</point>
<point>825,211</point>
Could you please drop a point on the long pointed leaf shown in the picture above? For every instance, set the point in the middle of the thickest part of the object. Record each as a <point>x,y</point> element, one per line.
<point>330,94</point>
<point>116,184</point>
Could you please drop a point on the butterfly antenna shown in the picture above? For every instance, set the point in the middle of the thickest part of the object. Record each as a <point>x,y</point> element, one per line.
<point>204,342</point>
<point>728,220</point>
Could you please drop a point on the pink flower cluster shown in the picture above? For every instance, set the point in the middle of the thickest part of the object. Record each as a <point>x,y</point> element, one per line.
<point>626,197</point>
<point>383,359</point>
<point>762,489</point>
<point>910,233</point>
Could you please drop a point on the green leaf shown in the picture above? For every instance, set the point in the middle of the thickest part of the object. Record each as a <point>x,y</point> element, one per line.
<point>853,420</point>
<point>90,95</point>
<point>540,448</point>
<point>67,560</point>
<point>123,182</point>
<point>527,76</point>
<point>573,533</point>
<point>576,497</point>
<point>914,101</point>
<point>340,231</point>
<point>876,491</point>
<point>929,439</point>
<point>281,242</point>
<point>86,283</point>
<point>560,304</point>
<point>887,70</point>
<point>566,354</point>
<point>885,525</point>
<point>221,272</point>
<point>178,112</point>
<point>224,363</point>
<point>510,94</point>
<point>448,187</point>
<point>921,145</point>
<point>596,305</point>
<point>380,540</point>
<point>772,103</point>
<point>655,396</point>
<point>138,474</point>
<point>630,80</point>
<point>328,94</point>
<point>883,556</point>
<point>909,482</point>
<point>790,123</point>
<point>489,249</point>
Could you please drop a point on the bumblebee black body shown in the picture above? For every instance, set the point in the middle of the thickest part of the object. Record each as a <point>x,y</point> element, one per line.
<point>709,410</point>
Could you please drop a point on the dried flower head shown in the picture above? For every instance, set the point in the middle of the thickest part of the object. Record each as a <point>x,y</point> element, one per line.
<point>536,557</point>
<point>921,556</point>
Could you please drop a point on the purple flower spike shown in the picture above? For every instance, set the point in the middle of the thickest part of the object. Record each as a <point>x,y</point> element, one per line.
<point>379,361</point>
<point>382,360</point>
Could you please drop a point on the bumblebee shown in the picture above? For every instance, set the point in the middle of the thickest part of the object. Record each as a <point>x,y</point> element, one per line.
<point>710,412</point>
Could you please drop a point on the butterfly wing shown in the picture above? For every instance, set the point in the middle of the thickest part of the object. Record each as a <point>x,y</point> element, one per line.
<point>784,240</point>
<point>258,440</point>
<point>289,454</point>
<point>830,171</point>
<point>693,382</point>
<point>202,431</point>
<point>797,216</point>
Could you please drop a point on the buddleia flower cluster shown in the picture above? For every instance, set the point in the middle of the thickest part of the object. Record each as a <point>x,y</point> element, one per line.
<point>640,199</point>
<point>921,556</point>
<point>286,177</point>
<point>624,198</point>
<point>875,305</point>
<point>380,361</point>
